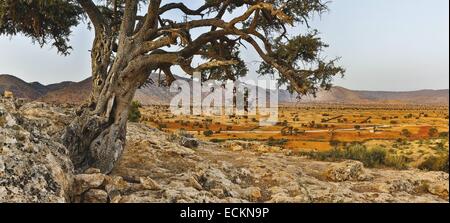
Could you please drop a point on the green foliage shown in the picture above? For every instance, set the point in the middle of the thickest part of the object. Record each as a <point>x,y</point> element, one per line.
<point>44,21</point>
<point>406,133</point>
<point>217,140</point>
<point>335,143</point>
<point>297,60</point>
<point>303,49</point>
<point>208,133</point>
<point>276,142</point>
<point>434,163</point>
<point>394,122</point>
<point>375,157</point>
<point>433,132</point>
<point>440,146</point>
<point>134,115</point>
<point>397,162</point>
<point>443,135</point>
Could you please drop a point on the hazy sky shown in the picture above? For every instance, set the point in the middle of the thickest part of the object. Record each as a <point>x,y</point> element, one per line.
<point>384,45</point>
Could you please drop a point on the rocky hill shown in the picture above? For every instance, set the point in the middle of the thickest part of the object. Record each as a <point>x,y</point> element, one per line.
<point>76,93</point>
<point>343,95</point>
<point>33,90</point>
<point>161,167</point>
<point>21,88</point>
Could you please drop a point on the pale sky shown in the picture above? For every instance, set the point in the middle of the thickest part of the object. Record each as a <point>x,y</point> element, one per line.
<point>391,45</point>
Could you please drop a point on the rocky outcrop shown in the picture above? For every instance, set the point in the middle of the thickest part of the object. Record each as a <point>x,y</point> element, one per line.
<point>33,166</point>
<point>158,167</point>
<point>347,171</point>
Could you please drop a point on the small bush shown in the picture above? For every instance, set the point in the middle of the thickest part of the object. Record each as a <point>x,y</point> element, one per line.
<point>369,157</point>
<point>276,142</point>
<point>375,157</point>
<point>433,132</point>
<point>397,162</point>
<point>186,134</point>
<point>335,143</point>
<point>406,133</point>
<point>443,135</point>
<point>208,133</point>
<point>434,163</point>
<point>134,115</point>
<point>217,140</point>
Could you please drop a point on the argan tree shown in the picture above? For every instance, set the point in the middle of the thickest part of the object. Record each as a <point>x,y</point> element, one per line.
<point>134,38</point>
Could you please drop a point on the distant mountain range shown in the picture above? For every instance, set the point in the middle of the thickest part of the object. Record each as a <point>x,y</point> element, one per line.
<point>77,92</point>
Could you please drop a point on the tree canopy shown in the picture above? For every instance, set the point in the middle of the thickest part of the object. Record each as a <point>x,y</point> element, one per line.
<point>216,31</point>
<point>45,21</point>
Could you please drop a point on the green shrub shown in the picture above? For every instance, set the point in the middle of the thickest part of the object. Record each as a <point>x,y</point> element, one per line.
<point>406,133</point>
<point>134,115</point>
<point>217,140</point>
<point>208,133</point>
<point>440,146</point>
<point>443,135</point>
<point>369,157</point>
<point>433,132</point>
<point>355,151</point>
<point>335,143</point>
<point>276,142</point>
<point>397,162</point>
<point>434,163</point>
<point>375,157</point>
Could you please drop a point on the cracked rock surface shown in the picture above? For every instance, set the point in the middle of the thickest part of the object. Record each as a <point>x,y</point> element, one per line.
<point>34,167</point>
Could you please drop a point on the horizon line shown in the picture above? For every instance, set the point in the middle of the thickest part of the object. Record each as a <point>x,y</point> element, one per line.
<point>339,86</point>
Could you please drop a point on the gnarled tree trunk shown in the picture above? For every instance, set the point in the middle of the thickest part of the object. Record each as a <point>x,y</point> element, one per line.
<point>96,137</point>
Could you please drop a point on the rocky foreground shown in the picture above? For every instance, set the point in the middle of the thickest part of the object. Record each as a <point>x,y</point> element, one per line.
<point>159,167</point>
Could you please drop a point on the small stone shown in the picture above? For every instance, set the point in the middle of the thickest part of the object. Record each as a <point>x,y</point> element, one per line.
<point>92,171</point>
<point>218,192</point>
<point>190,143</point>
<point>440,190</point>
<point>347,171</point>
<point>252,193</point>
<point>116,183</point>
<point>402,185</point>
<point>149,184</point>
<point>95,196</point>
<point>284,198</point>
<point>114,197</point>
<point>194,183</point>
<point>84,182</point>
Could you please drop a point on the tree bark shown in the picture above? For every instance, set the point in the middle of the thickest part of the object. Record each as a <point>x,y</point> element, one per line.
<point>96,137</point>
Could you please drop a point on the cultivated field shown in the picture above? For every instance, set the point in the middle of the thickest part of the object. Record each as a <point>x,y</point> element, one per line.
<point>413,134</point>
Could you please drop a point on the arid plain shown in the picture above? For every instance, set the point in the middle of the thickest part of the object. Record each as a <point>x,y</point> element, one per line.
<point>409,134</point>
